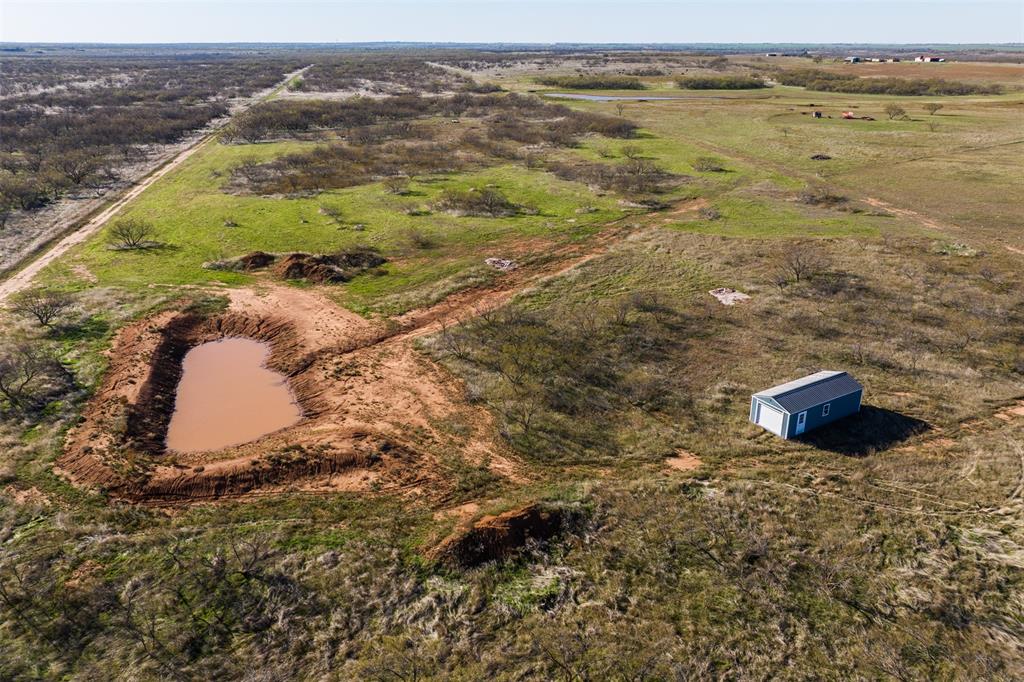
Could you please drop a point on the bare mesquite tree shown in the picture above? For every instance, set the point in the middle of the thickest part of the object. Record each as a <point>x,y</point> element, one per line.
<point>42,305</point>
<point>131,233</point>
<point>26,371</point>
<point>894,111</point>
<point>708,164</point>
<point>632,151</point>
<point>397,184</point>
<point>77,165</point>
<point>800,263</point>
<point>932,107</point>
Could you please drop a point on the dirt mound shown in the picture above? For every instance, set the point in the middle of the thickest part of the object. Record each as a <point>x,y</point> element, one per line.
<point>328,268</point>
<point>257,260</point>
<point>499,537</point>
<point>683,461</point>
<point>332,268</point>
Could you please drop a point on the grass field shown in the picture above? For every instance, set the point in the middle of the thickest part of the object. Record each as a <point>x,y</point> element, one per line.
<point>609,386</point>
<point>189,212</point>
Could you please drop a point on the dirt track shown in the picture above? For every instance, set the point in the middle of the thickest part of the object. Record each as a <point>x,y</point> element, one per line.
<point>23,278</point>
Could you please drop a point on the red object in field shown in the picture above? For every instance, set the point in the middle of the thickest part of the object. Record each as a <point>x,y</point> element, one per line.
<point>848,114</point>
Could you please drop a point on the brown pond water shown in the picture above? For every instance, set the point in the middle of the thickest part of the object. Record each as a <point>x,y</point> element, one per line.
<point>227,396</point>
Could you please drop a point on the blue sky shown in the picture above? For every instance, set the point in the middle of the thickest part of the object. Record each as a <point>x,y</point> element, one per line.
<point>678,21</point>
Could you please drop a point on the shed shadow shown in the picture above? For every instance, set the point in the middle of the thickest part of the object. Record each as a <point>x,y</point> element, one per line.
<point>871,430</point>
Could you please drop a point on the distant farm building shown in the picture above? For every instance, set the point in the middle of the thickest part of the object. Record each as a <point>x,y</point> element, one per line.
<point>852,60</point>
<point>926,58</point>
<point>793,408</point>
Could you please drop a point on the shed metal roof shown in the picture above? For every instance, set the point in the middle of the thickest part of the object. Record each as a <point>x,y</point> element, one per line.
<point>811,390</point>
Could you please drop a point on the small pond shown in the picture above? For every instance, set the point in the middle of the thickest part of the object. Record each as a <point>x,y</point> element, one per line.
<point>227,396</point>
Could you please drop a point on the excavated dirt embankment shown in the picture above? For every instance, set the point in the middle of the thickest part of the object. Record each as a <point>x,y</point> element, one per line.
<point>150,415</point>
<point>369,402</point>
<point>119,446</point>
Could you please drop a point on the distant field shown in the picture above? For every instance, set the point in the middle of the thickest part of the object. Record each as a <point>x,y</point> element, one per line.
<point>525,450</point>
<point>190,213</point>
<point>977,72</point>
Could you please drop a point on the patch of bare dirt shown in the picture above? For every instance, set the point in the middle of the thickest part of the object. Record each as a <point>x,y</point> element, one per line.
<point>1011,413</point>
<point>31,495</point>
<point>498,537</point>
<point>683,461</point>
<point>689,206</point>
<point>84,273</point>
<point>87,572</point>
<point>461,513</point>
<point>727,296</point>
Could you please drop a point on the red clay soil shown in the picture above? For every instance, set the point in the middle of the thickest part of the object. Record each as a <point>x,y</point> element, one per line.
<point>494,538</point>
<point>369,409</point>
<point>327,268</point>
<point>257,260</point>
<point>371,403</point>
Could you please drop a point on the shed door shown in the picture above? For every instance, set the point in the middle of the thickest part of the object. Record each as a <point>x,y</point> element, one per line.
<point>801,422</point>
<point>769,418</point>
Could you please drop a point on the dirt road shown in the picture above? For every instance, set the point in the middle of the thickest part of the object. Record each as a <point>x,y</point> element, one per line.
<point>21,279</point>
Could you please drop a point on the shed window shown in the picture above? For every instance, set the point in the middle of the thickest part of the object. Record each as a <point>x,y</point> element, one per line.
<point>825,408</point>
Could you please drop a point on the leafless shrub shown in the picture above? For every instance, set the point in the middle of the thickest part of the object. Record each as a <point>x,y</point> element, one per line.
<point>333,213</point>
<point>708,164</point>
<point>420,239</point>
<point>28,372</point>
<point>800,262</point>
<point>45,306</point>
<point>131,233</point>
<point>894,111</point>
<point>485,201</point>
<point>632,151</point>
<point>820,196</point>
<point>397,185</point>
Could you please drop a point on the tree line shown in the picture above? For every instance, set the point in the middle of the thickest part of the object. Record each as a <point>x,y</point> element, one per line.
<point>721,83</point>
<point>73,123</point>
<point>825,81</point>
